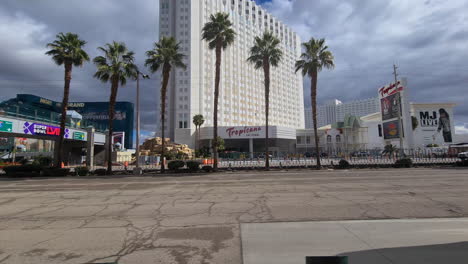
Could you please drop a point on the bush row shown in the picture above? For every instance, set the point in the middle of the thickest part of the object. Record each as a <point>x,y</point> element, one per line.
<point>35,170</point>
<point>401,163</point>
<point>191,165</point>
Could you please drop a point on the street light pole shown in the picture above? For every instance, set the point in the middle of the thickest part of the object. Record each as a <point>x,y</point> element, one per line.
<point>137,154</point>
<point>138,170</point>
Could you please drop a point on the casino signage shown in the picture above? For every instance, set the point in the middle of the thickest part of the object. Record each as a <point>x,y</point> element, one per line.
<point>43,130</point>
<point>241,132</point>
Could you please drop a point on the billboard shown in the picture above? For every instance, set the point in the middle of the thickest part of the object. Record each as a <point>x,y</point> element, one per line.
<point>436,122</point>
<point>98,112</point>
<point>43,130</point>
<point>391,129</point>
<point>389,106</point>
<point>118,139</point>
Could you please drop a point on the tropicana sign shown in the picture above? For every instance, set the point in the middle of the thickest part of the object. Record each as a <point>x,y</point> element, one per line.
<point>243,131</point>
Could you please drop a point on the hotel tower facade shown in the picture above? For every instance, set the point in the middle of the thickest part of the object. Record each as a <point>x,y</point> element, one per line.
<point>241,100</point>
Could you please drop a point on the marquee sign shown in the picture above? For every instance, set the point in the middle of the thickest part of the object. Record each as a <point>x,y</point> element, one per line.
<point>390,90</point>
<point>391,130</point>
<point>389,106</point>
<point>43,130</point>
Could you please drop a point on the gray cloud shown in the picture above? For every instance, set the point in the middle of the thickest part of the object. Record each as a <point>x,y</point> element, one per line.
<point>27,26</point>
<point>427,39</point>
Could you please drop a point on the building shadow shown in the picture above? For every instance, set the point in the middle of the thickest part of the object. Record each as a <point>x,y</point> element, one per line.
<point>454,253</point>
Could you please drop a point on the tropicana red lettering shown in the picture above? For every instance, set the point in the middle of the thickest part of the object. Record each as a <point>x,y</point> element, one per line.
<point>239,132</point>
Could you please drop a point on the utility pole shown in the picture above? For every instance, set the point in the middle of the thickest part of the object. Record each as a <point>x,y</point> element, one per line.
<point>400,124</point>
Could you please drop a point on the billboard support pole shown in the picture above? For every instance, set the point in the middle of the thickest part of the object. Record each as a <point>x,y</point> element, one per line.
<point>400,125</point>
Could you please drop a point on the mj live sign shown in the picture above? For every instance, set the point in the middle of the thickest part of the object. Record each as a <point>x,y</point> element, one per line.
<point>6,126</point>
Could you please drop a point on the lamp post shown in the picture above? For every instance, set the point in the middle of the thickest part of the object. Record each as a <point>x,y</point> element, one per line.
<point>137,170</point>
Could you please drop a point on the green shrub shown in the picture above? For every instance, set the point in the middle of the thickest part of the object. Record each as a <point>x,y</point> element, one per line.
<point>82,171</point>
<point>100,172</point>
<point>23,171</point>
<point>207,168</point>
<point>175,164</point>
<point>55,172</point>
<point>193,165</point>
<point>404,163</point>
<point>343,164</point>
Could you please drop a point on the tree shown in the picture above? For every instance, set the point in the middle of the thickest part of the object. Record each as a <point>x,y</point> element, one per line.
<point>198,121</point>
<point>414,122</point>
<point>389,150</point>
<point>165,55</point>
<point>264,54</point>
<point>220,144</point>
<point>66,50</point>
<point>219,34</point>
<point>116,66</point>
<point>312,61</point>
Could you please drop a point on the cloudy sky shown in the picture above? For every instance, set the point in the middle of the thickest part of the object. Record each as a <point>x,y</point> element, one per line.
<point>427,39</point>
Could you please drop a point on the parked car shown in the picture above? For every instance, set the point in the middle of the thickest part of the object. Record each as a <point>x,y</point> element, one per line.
<point>463,155</point>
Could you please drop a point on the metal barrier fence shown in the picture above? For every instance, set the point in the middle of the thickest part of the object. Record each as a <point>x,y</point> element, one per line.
<point>305,162</point>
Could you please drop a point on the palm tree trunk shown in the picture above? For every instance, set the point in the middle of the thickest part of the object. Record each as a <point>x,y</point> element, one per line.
<point>216,97</point>
<point>314,115</point>
<point>112,100</point>
<point>198,139</point>
<point>197,142</point>
<point>63,118</point>
<point>166,74</point>
<point>266,71</point>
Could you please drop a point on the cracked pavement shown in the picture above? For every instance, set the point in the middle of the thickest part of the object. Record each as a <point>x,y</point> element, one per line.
<point>196,219</point>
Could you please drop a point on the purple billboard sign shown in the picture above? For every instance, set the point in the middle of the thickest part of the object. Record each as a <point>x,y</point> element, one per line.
<point>41,129</point>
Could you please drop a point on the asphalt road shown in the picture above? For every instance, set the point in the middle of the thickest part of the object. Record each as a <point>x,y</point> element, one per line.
<point>197,219</point>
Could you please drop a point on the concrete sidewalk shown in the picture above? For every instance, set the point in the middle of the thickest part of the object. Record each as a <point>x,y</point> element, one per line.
<point>421,241</point>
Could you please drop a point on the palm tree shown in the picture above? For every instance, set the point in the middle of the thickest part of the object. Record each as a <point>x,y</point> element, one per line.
<point>313,60</point>
<point>264,54</point>
<point>198,121</point>
<point>219,34</point>
<point>165,54</point>
<point>116,66</point>
<point>66,50</point>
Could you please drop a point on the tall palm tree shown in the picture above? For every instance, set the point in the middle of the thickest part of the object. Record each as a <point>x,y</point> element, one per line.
<point>264,54</point>
<point>66,50</point>
<point>165,54</point>
<point>315,57</point>
<point>116,66</point>
<point>219,34</point>
<point>198,121</point>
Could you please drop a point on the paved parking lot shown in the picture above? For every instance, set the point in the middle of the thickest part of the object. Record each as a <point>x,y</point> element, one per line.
<point>197,219</point>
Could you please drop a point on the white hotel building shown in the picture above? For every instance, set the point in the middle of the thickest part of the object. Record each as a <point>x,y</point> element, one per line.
<point>241,100</point>
<point>335,111</point>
